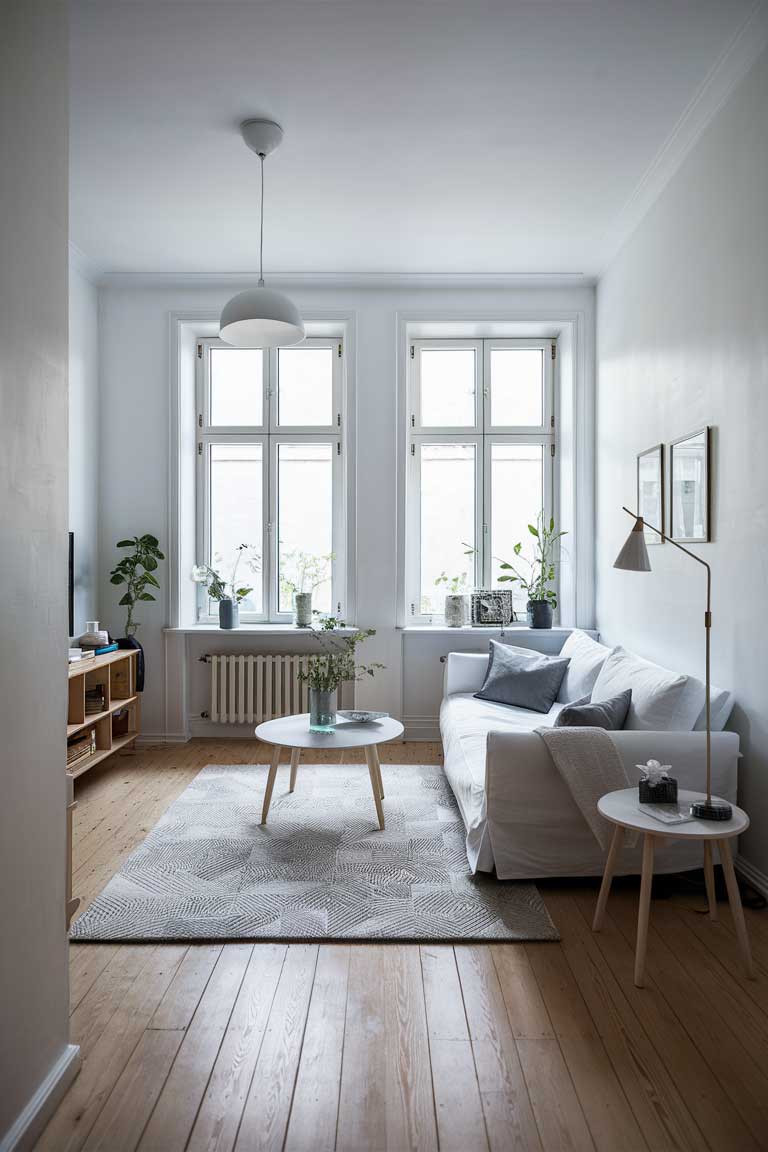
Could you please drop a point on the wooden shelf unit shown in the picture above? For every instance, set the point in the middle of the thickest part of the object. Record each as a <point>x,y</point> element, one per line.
<point>115,674</point>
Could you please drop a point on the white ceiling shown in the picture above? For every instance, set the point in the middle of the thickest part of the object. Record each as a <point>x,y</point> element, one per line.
<point>431,136</point>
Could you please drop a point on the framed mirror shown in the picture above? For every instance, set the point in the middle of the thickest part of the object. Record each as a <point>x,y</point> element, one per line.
<point>689,488</point>
<point>650,491</point>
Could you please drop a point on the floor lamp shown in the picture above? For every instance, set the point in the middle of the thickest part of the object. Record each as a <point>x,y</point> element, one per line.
<point>634,558</point>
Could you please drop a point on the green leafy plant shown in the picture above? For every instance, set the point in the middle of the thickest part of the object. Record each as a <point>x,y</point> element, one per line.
<point>137,572</point>
<point>218,588</point>
<point>307,572</point>
<point>537,583</point>
<point>454,584</point>
<point>335,663</point>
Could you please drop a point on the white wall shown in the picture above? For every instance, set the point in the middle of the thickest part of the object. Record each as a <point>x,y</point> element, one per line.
<point>84,449</point>
<point>683,342</point>
<point>33,550</point>
<point>135,341</point>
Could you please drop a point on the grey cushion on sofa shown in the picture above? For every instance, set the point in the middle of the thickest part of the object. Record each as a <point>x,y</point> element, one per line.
<point>609,714</point>
<point>524,679</point>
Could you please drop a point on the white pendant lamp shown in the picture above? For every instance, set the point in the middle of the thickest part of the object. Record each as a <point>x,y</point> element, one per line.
<point>261,317</point>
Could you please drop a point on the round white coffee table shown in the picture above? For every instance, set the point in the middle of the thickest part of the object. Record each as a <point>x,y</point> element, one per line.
<point>621,808</point>
<point>293,732</point>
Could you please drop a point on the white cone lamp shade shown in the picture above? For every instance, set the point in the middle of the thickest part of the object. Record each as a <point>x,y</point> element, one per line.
<point>261,318</point>
<point>634,555</point>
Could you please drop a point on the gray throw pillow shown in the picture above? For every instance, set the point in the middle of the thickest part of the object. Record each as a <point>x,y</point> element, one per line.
<point>524,679</point>
<point>609,714</point>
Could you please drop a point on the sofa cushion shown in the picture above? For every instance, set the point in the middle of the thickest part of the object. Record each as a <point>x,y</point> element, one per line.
<point>523,679</point>
<point>720,708</point>
<point>586,659</point>
<point>608,714</point>
<point>662,701</point>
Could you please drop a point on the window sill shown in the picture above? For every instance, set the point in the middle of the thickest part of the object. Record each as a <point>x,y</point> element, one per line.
<point>467,629</point>
<point>256,630</point>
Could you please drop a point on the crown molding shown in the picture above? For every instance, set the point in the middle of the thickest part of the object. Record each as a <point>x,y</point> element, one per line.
<point>729,69</point>
<point>347,279</point>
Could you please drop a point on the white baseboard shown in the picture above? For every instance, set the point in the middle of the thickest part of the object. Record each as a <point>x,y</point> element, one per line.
<point>421,728</point>
<point>163,738</point>
<point>753,875</point>
<point>29,1124</point>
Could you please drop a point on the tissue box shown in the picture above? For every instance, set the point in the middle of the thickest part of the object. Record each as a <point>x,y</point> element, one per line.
<point>665,792</point>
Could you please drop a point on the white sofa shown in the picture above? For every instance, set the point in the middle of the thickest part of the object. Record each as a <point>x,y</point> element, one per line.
<point>520,817</point>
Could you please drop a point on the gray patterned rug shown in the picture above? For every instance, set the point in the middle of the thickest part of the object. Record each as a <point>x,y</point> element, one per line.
<point>320,869</point>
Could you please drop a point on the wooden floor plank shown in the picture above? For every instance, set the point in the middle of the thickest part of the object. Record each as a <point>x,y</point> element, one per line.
<point>362,1102</point>
<point>174,1115</point>
<point>92,1015</point>
<point>509,1116</point>
<point>177,1007</point>
<point>265,1117</point>
<point>526,1010</point>
<point>218,1118</point>
<point>606,1109</point>
<point>315,1107</point>
<point>70,1126</point>
<point>720,1121</point>
<point>87,962</point>
<point>458,1107</point>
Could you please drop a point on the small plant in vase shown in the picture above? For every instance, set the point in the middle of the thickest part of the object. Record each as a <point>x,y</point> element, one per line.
<point>137,572</point>
<point>538,584</point>
<point>332,666</point>
<point>309,572</point>
<point>228,594</point>
<point>455,598</point>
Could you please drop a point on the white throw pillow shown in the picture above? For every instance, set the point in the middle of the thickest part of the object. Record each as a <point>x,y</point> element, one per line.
<point>720,707</point>
<point>662,701</point>
<point>587,658</point>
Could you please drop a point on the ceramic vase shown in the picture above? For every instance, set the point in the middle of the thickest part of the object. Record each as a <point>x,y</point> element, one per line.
<point>229,614</point>
<point>302,609</point>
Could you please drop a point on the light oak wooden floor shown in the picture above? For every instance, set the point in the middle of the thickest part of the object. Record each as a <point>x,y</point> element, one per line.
<point>306,1048</point>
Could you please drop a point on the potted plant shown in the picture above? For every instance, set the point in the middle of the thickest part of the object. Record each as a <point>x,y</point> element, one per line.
<point>137,572</point>
<point>538,584</point>
<point>455,598</point>
<point>309,572</point>
<point>228,594</point>
<point>331,666</point>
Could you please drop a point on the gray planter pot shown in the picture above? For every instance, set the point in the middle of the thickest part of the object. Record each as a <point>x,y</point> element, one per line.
<point>229,614</point>
<point>455,610</point>
<point>322,710</point>
<point>539,613</point>
<point>302,609</point>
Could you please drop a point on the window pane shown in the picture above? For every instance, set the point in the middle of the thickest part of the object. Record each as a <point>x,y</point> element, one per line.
<point>448,388</point>
<point>305,522</point>
<point>305,387</point>
<point>517,497</point>
<point>447,522</point>
<point>517,387</point>
<point>237,387</point>
<point>237,518</point>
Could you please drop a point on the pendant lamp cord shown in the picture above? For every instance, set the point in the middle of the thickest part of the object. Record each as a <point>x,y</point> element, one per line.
<point>261,227</point>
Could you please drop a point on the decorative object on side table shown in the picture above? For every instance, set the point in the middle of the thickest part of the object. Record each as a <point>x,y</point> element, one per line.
<point>650,489</point>
<point>229,595</point>
<point>137,572</point>
<point>690,493</point>
<point>656,786</point>
<point>538,584</point>
<point>333,665</point>
<point>633,557</point>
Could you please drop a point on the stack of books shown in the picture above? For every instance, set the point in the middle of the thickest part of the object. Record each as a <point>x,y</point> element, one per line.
<point>95,700</point>
<point>81,654</point>
<point>80,747</point>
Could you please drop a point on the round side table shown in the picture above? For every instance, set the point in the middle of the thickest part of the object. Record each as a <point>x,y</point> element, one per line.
<point>621,808</point>
<point>293,732</point>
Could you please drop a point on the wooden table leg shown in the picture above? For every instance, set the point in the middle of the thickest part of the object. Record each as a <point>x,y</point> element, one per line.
<point>605,887</point>
<point>709,880</point>
<point>270,783</point>
<point>295,757</point>
<point>377,762</point>
<point>370,752</point>
<point>737,912</point>
<point>644,909</point>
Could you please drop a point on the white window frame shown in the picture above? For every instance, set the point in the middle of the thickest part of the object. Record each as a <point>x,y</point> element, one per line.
<point>481,434</point>
<point>270,435</point>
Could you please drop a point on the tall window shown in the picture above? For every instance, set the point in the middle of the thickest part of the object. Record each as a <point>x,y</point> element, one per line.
<point>270,495</point>
<point>481,456</point>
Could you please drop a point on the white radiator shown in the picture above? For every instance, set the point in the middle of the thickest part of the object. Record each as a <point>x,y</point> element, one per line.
<point>251,689</point>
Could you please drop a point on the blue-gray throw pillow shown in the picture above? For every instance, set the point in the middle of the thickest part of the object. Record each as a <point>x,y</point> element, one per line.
<point>609,714</point>
<point>524,679</point>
